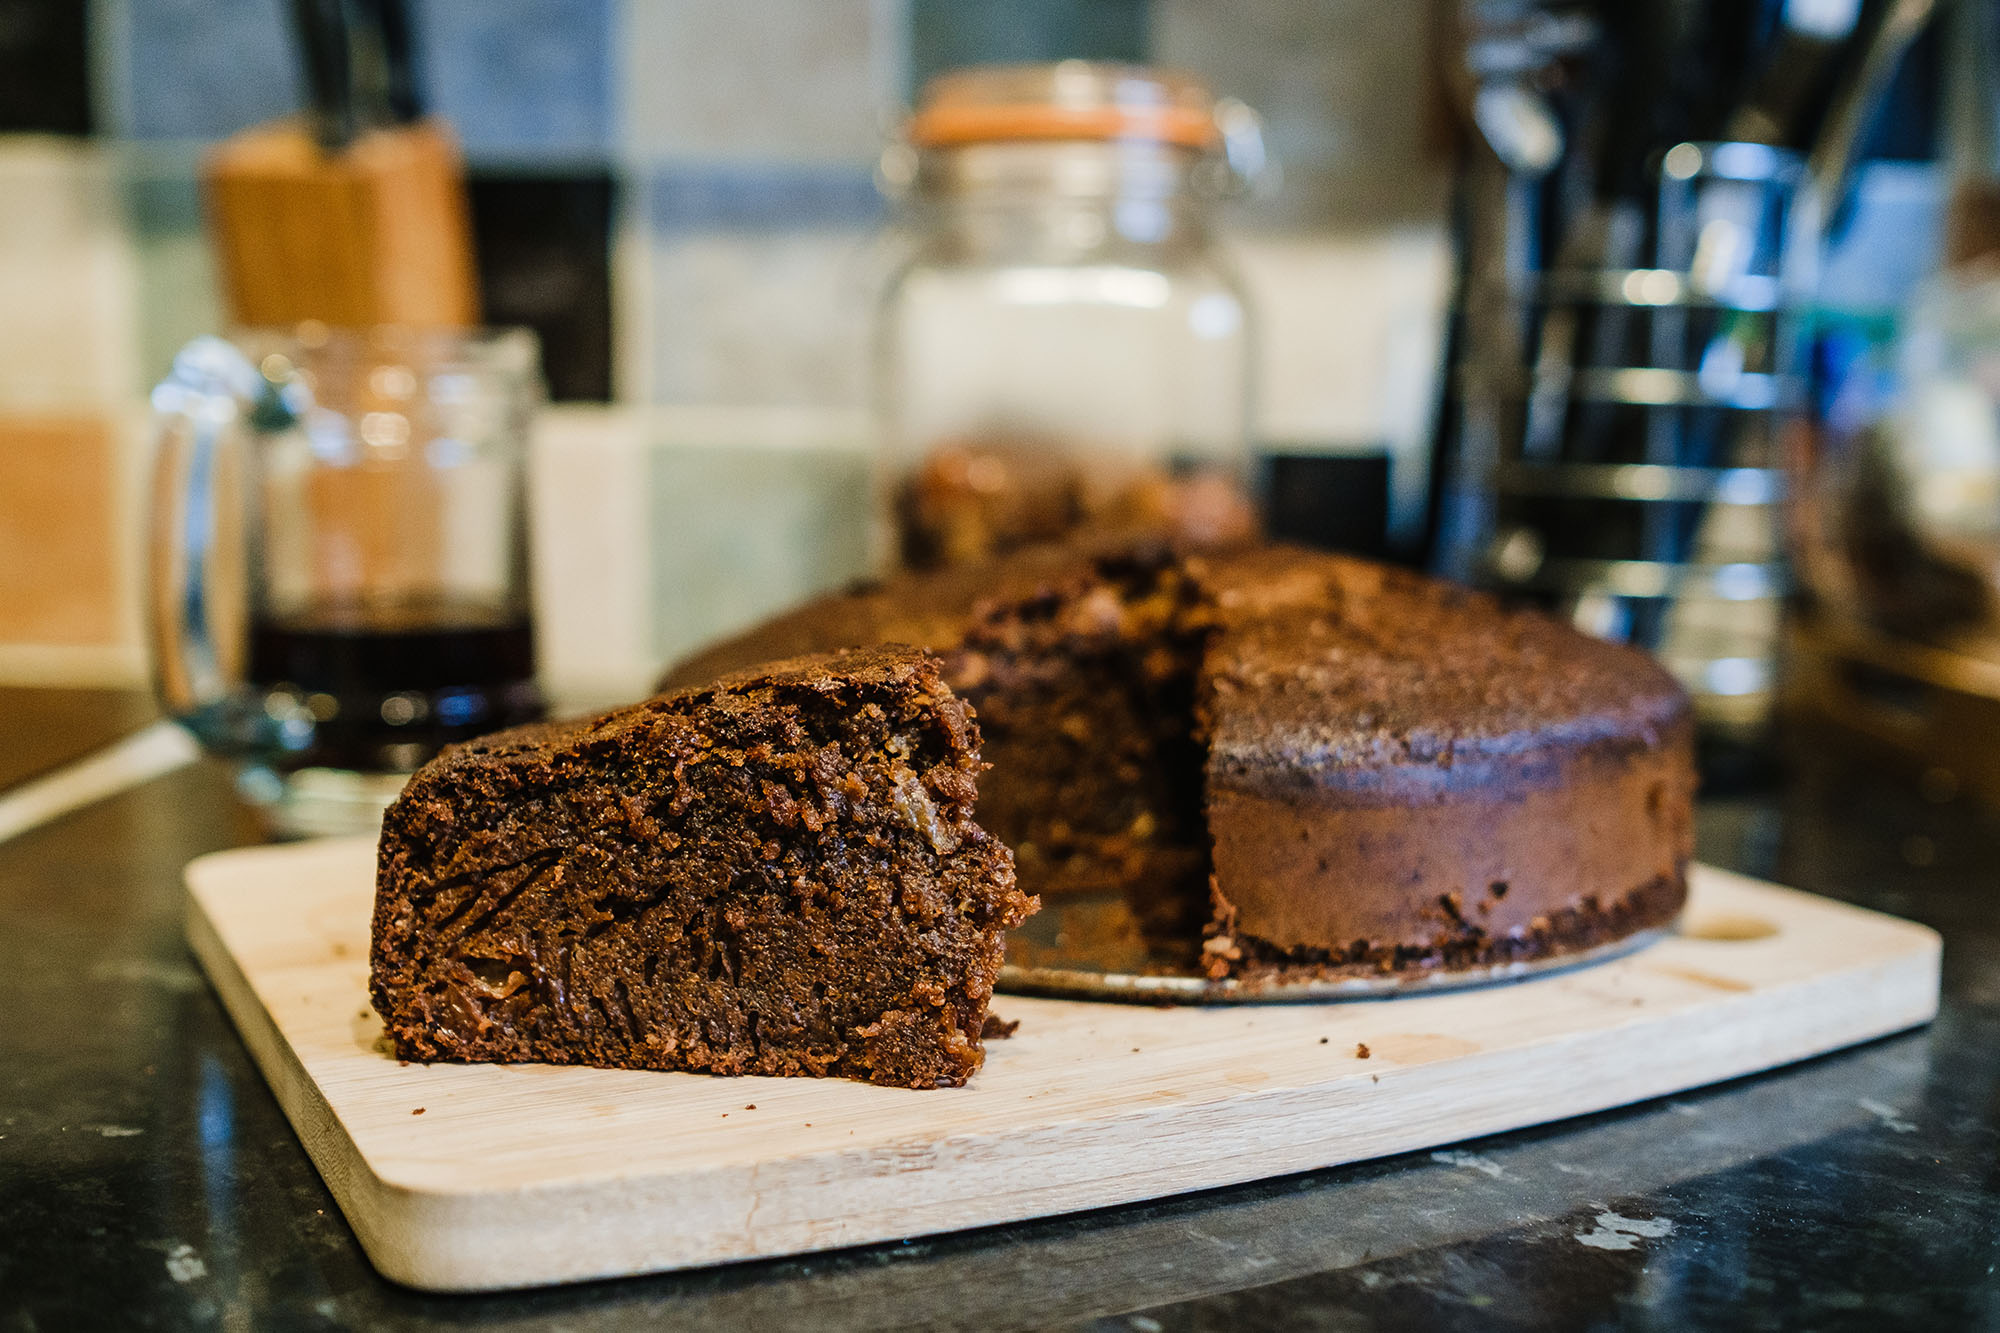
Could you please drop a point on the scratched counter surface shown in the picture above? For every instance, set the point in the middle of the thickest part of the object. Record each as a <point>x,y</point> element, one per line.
<point>148,1179</point>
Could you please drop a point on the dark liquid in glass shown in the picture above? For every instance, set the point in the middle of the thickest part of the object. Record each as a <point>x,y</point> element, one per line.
<point>382,687</point>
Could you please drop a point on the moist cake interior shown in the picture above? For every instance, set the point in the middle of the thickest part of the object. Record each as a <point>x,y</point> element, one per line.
<point>783,878</point>
<point>1086,698</point>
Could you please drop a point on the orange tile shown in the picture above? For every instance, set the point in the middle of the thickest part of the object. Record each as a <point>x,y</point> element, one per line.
<point>58,544</point>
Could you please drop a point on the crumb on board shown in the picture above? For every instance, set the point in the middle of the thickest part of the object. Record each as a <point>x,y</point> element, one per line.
<point>996,1028</point>
<point>751,1107</point>
<point>418,1111</point>
<point>1361,1050</point>
<point>1322,1041</point>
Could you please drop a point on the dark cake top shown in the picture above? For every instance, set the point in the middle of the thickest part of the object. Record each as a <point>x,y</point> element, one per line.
<point>1327,662</point>
<point>1318,664</point>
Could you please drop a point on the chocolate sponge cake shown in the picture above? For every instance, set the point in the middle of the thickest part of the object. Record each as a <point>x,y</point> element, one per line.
<point>1297,764</point>
<point>775,873</point>
<point>1403,774</point>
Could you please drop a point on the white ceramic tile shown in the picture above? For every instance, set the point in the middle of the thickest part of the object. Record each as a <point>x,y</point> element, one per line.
<point>1342,86</point>
<point>752,511</point>
<point>1351,329</point>
<point>659,529</point>
<point>762,317</point>
<point>68,279</point>
<point>632,300</point>
<point>592,560</point>
<point>786,80</point>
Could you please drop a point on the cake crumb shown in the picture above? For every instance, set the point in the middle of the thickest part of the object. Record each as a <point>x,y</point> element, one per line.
<point>996,1028</point>
<point>418,1111</point>
<point>1361,1050</point>
<point>1374,1078</point>
<point>1322,1041</point>
<point>751,1107</point>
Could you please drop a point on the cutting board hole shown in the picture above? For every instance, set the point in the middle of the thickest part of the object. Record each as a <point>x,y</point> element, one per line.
<point>1728,927</point>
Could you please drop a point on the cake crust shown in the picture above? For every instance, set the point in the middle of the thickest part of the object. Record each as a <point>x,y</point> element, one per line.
<point>1404,774</point>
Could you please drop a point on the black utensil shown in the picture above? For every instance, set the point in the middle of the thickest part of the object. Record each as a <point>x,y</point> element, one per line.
<point>323,36</point>
<point>359,71</point>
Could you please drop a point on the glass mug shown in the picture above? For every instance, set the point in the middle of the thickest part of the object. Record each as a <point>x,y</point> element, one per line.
<point>338,557</point>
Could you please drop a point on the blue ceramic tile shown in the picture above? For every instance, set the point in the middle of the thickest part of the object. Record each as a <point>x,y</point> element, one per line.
<point>201,69</point>
<point>945,34</point>
<point>756,197</point>
<point>519,80</point>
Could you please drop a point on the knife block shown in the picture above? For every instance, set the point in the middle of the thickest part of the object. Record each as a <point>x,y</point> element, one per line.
<point>377,232</point>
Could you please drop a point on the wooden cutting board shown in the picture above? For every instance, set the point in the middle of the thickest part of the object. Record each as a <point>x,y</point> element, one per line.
<point>474,1177</point>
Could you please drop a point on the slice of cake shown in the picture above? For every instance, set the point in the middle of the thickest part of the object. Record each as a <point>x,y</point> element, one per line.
<point>777,873</point>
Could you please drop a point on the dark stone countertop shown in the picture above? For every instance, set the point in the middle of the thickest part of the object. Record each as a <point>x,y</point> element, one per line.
<point>148,1179</point>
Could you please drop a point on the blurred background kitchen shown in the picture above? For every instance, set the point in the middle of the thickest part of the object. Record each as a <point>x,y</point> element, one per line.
<point>1675,317</point>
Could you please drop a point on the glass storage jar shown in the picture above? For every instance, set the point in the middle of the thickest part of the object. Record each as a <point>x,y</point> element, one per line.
<point>1063,335</point>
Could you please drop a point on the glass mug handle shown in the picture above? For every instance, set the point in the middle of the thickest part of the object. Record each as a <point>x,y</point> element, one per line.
<point>203,414</point>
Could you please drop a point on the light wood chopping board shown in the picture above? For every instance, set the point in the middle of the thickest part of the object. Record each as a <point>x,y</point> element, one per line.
<point>475,1177</point>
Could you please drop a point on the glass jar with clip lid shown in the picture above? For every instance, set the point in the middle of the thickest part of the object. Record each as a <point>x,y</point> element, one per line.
<point>1064,342</point>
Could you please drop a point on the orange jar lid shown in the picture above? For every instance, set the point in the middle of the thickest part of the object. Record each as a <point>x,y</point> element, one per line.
<point>1072,99</point>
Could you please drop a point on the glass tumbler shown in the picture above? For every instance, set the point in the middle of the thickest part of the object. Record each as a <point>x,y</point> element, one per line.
<point>338,557</point>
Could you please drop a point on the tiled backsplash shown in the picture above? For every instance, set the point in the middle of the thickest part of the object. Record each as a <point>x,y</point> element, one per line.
<point>661,528</point>
<point>679,194</point>
<point>70,525</point>
<point>1347,96</point>
<point>69,311</point>
<point>786,81</point>
<point>525,82</point>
